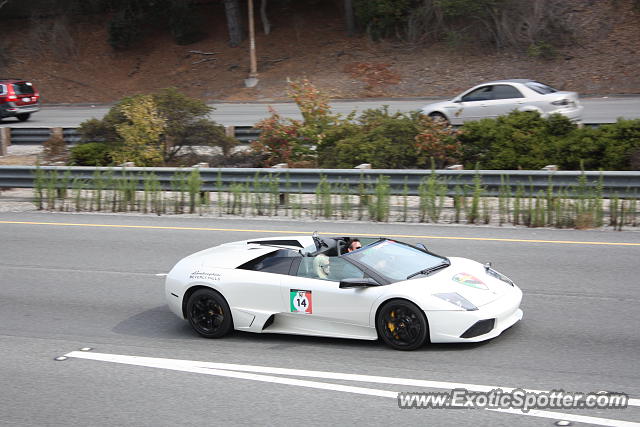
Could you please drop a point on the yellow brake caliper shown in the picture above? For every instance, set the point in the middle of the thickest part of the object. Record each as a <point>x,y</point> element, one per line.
<point>390,325</point>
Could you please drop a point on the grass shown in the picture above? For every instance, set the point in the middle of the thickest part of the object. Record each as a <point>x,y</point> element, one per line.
<point>581,205</point>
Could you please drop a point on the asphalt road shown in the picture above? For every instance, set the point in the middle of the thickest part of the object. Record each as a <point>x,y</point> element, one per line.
<point>597,110</point>
<point>91,281</point>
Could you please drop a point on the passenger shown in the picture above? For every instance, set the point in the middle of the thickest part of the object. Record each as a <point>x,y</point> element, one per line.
<point>321,266</point>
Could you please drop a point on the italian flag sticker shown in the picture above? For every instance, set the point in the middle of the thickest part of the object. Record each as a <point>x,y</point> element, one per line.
<point>300,301</point>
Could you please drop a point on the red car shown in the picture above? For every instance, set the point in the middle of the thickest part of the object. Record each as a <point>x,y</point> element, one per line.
<point>18,98</point>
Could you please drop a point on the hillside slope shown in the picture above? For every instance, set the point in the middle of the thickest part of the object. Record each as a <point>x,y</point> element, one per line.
<point>83,68</point>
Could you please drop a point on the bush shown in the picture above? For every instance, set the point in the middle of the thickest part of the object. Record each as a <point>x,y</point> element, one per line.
<point>281,142</point>
<point>524,140</point>
<point>297,142</point>
<point>185,125</point>
<point>385,140</point>
<point>621,142</point>
<point>519,140</point>
<point>55,149</point>
<point>581,148</point>
<point>91,154</point>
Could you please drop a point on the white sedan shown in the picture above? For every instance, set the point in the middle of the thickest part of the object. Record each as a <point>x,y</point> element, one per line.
<point>311,285</point>
<point>497,98</point>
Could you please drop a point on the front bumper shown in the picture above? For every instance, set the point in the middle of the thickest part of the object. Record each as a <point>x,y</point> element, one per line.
<point>450,326</point>
<point>572,113</point>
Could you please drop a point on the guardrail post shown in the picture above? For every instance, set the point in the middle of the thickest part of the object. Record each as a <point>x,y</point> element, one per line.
<point>57,133</point>
<point>5,140</point>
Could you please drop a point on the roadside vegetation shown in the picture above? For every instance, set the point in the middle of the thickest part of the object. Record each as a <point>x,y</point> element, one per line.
<point>581,205</point>
<point>170,129</point>
<point>504,24</point>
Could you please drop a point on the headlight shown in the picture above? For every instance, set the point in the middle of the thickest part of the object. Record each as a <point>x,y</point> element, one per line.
<point>457,299</point>
<point>493,273</point>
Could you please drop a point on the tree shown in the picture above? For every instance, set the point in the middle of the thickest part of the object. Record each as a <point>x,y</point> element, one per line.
<point>176,123</point>
<point>234,21</point>
<point>349,17</point>
<point>266,25</point>
<point>141,134</point>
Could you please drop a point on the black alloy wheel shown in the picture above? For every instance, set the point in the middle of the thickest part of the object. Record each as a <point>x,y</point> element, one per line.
<point>402,325</point>
<point>209,313</point>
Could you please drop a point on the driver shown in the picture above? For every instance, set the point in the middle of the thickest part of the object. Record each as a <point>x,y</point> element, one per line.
<point>354,245</point>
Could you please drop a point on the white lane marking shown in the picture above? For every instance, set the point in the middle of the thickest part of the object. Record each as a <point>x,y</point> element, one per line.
<point>162,274</point>
<point>189,366</point>
<point>247,372</point>
<point>328,375</point>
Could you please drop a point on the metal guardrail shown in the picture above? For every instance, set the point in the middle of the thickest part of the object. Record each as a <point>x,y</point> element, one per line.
<point>36,136</point>
<point>623,184</point>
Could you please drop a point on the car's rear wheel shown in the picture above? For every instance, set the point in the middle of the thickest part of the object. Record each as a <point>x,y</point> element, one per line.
<point>209,313</point>
<point>23,117</point>
<point>439,118</point>
<point>402,325</point>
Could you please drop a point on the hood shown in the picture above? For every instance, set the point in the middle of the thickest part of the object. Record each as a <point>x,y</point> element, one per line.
<point>465,277</point>
<point>436,105</point>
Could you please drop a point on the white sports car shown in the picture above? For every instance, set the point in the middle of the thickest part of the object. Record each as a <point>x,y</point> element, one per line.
<point>310,285</point>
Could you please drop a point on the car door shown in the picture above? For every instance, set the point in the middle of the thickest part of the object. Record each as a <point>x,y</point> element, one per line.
<point>475,104</point>
<point>318,306</point>
<point>506,98</point>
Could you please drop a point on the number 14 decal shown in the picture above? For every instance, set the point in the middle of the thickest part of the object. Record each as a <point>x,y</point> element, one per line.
<point>300,301</point>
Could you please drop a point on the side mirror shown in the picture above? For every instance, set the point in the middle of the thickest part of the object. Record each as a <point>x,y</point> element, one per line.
<point>422,246</point>
<point>358,283</point>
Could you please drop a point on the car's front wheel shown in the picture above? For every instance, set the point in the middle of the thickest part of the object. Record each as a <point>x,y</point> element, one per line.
<point>402,325</point>
<point>209,313</point>
<point>23,117</point>
<point>439,118</point>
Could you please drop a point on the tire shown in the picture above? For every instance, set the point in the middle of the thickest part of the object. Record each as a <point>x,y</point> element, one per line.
<point>439,118</point>
<point>209,314</point>
<point>402,325</point>
<point>23,117</point>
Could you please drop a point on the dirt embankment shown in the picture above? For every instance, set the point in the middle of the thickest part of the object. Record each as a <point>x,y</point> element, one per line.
<point>83,68</point>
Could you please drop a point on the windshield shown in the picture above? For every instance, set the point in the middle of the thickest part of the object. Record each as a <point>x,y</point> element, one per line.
<point>23,89</point>
<point>395,260</point>
<point>540,87</point>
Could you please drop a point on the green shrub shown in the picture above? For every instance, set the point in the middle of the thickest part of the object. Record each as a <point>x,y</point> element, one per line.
<point>519,140</point>
<point>91,154</point>
<point>385,140</point>
<point>296,142</point>
<point>582,146</point>
<point>185,125</point>
<point>621,142</point>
